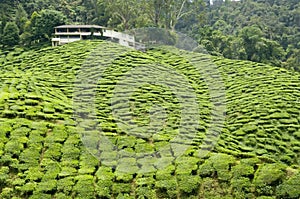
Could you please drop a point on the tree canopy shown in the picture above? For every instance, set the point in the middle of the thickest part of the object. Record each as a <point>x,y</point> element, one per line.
<point>10,35</point>
<point>262,31</point>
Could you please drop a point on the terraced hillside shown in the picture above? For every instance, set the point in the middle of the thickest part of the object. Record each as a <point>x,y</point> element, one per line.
<point>51,142</point>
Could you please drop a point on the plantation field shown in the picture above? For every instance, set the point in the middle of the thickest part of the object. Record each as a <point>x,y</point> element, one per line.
<point>71,127</point>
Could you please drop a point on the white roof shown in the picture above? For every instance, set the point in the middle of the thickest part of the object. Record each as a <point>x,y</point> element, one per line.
<point>81,26</point>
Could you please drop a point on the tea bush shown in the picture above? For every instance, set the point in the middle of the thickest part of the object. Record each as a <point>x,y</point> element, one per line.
<point>42,154</point>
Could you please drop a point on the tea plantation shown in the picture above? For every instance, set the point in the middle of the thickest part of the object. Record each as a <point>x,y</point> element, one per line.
<point>45,105</point>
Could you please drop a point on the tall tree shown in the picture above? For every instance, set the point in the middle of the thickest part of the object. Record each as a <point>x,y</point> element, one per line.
<point>251,37</point>
<point>10,35</point>
<point>42,23</point>
<point>123,13</point>
<point>155,11</point>
<point>21,18</point>
<point>167,13</point>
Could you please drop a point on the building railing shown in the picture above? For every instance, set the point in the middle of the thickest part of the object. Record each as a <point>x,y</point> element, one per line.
<point>123,38</point>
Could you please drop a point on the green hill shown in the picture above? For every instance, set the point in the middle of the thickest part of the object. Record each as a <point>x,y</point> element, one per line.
<point>46,120</point>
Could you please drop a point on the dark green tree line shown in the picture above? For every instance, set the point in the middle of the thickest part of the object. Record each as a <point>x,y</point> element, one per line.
<point>265,31</point>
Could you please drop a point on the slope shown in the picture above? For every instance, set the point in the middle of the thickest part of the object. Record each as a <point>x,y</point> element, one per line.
<point>45,107</point>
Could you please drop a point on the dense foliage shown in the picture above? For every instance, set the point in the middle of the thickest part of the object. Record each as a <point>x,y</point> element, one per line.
<point>261,31</point>
<point>42,154</point>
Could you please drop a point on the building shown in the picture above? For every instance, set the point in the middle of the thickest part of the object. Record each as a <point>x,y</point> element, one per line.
<point>69,33</point>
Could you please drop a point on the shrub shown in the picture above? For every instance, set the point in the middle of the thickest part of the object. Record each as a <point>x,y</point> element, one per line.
<point>29,187</point>
<point>145,192</point>
<point>62,196</point>
<point>34,173</point>
<point>218,164</point>
<point>39,195</point>
<point>290,188</point>
<point>7,193</point>
<point>188,183</point>
<point>13,147</point>
<point>241,185</point>
<point>297,135</point>
<point>210,188</point>
<point>46,186</point>
<point>127,165</point>
<point>167,186</point>
<point>185,165</point>
<point>206,169</point>
<point>53,151</point>
<point>67,171</point>
<point>84,187</point>
<point>242,170</point>
<point>65,185</point>
<point>249,128</point>
<point>105,180</point>
<point>69,151</point>
<point>30,157</point>
<point>87,163</point>
<point>52,171</point>
<point>279,115</point>
<point>121,188</point>
<point>268,175</point>
<point>4,171</point>
<point>165,173</point>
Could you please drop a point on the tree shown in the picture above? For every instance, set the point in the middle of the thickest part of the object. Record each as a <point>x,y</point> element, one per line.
<point>30,30</point>
<point>6,10</point>
<point>21,18</point>
<point>88,11</point>
<point>2,23</point>
<point>272,52</point>
<point>10,35</point>
<point>101,16</point>
<point>251,37</point>
<point>26,37</point>
<point>167,13</point>
<point>155,11</point>
<point>260,49</point>
<point>42,24</point>
<point>293,61</point>
<point>123,13</point>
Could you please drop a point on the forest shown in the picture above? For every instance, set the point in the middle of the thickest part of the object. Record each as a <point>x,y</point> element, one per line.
<point>266,31</point>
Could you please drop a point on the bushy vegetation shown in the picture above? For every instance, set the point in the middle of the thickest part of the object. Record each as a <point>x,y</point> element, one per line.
<point>42,154</point>
<point>262,31</point>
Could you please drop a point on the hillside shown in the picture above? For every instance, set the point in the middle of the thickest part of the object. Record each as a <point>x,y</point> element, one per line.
<point>49,131</point>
